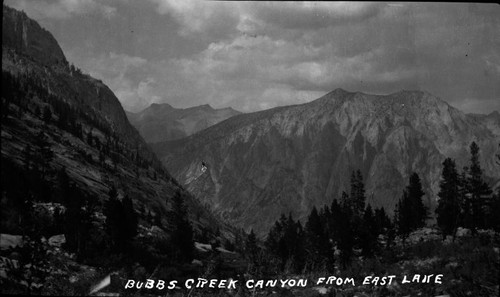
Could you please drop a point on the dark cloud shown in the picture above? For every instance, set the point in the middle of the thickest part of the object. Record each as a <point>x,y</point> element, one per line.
<point>255,55</point>
<point>61,9</point>
<point>312,15</point>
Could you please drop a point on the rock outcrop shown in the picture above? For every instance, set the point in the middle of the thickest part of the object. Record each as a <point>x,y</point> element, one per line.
<point>26,37</point>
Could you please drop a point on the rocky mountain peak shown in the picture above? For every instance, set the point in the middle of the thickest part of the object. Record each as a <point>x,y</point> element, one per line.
<point>157,107</point>
<point>206,107</point>
<point>339,91</point>
<point>494,114</point>
<point>25,36</point>
<point>336,94</point>
<point>291,158</point>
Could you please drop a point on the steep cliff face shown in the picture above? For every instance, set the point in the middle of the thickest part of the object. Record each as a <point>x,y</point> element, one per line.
<point>86,128</point>
<point>289,159</point>
<point>162,122</point>
<point>29,50</point>
<point>27,37</point>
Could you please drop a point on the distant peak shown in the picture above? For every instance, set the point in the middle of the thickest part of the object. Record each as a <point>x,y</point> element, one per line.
<point>158,107</point>
<point>206,106</point>
<point>494,115</point>
<point>155,105</point>
<point>229,108</point>
<point>340,91</point>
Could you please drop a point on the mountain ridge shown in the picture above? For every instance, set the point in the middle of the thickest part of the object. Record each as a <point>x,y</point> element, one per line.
<point>306,152</point>
<point>160,122</point>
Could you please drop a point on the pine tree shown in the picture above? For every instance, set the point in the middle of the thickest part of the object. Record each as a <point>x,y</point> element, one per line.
<point>90,138</point>
<point>448,210</point>
<point>64,185</point>
<point>5,109</point>
<point>404,216</point>
<point>47,114</point>
<point>357,193</point>
<point>346,235</point>
<point>62,121</point>
<point>296,241</point>
<point>415,194</point>
<point>492,217</point>
<point>274,242</point>
<point>319,251</point>
<point>369,233</point>
<point>251,248</point>
<point>182,234</point>
<point>333,221</point>
<point>28,156</point>
<point>478,189</point>
<point>411,212</point>
<point>113,209</point>
<point>36,112</point>
<point>102,157</point>
<point>382,221</point>
<point>121,220</point>
<point>129,219</point>
<point>78,220</point>
<point>43,154</point>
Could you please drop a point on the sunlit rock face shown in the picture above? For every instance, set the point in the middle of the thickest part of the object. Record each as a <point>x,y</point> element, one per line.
<point>289,159</point>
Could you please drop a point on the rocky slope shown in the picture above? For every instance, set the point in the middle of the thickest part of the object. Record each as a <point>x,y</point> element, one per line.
<point>491,121</point>
<point>162,122</point>
<point>289,159</point>
<point>39,80</point>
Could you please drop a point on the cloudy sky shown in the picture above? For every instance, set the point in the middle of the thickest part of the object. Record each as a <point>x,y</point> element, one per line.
<point>258,55</point>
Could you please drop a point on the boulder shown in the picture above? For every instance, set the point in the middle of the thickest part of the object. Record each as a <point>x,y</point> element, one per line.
<point>461,232</point>
<point>8,241</point>
<point>57,240</point>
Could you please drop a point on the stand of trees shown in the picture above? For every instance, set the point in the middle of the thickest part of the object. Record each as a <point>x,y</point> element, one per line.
<point>465,199</point>
<point>346,226</point>
<point>349,227</point>
<point>21,89</point>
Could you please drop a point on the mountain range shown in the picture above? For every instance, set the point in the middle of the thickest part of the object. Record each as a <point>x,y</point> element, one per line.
<point>291,158</point>
<point>162,122</point>
<point>258,165</point>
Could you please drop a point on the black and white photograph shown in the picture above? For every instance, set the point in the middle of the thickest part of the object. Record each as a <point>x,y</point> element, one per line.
<point>250,148</point>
